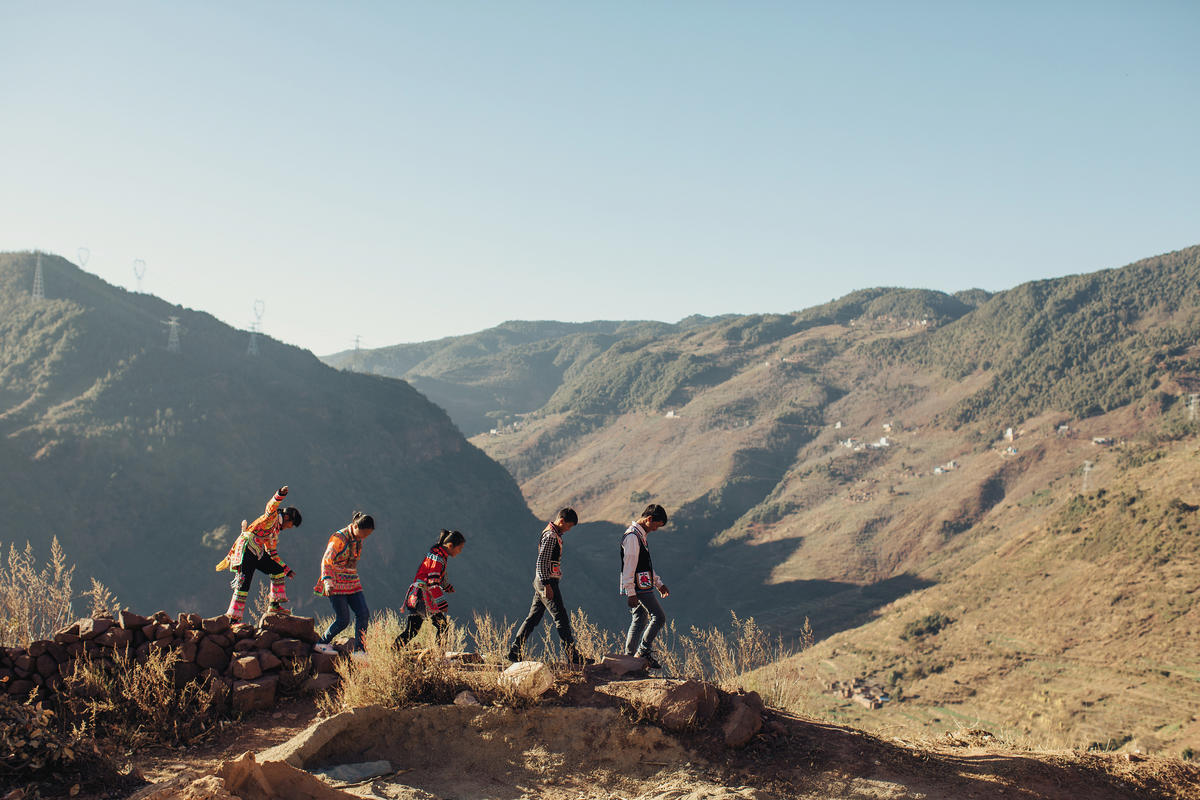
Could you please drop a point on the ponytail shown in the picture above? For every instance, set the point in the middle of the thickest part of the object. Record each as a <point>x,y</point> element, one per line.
<point>363,521</point>
<point>450,538</point>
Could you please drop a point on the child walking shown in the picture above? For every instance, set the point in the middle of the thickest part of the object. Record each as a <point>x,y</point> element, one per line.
<point>427,594</point>
<point>257,548</point>
<point>638,582</point>
<point>547,593</point>
<point>340,583</point>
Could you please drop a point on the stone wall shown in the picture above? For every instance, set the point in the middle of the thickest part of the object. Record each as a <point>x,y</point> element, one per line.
<point>246,662</point>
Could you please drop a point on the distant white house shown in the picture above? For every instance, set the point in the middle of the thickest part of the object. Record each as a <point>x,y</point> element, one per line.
<point>671,414</point>
<point>1008,435</point>
<point>1102,440</point>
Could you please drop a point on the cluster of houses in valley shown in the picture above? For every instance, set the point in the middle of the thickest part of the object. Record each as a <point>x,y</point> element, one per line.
<point>867,695</point>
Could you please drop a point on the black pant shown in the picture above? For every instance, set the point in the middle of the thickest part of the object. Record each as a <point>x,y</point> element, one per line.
<point>414,627</point>
<point>250,562</point>
<point>558,612</point>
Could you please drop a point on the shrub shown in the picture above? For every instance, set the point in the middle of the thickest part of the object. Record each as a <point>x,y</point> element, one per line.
<point>925,626</point>
<point>34,601</point>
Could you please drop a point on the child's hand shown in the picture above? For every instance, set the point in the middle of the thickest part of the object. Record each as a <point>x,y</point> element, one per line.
<point>664,591</point>
<point>291,573</point>
<point>282,492</point>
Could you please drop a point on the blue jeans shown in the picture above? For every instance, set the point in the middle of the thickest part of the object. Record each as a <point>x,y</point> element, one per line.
<point>647,607</point>
<point>342,606</point>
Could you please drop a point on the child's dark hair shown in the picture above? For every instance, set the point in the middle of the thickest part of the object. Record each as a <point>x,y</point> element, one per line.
<point>291,514</point>
<point>364,521</point>
<point>568,515</point>
<point>656,513</point>
<point>450,538</point>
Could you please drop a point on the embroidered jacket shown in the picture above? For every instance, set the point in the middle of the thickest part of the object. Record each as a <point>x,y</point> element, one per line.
<point>340,564</point>
<point>637,570</point>
<point>260,537</point>
<point>427,585</point>
<point>549,560</point>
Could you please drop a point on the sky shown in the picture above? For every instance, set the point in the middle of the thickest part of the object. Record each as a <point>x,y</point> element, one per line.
<point>404,171</point>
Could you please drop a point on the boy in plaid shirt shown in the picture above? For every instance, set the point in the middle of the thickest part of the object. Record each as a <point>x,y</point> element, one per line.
<point>546,591</point>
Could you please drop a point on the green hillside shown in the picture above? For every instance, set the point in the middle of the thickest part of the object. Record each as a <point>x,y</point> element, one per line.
<point>143,461</point>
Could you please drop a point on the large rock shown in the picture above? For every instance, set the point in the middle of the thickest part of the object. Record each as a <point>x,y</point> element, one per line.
<point>290,627</point>
<point>742,724</point>
<point>268,660</point>
<point>91,628</point>
<point>322,662</point>
<point>210,656</point>
<point>265,639</point>
<point>528,679</point>
<point>247,668</point>
<point>254,695</point>
<point>218,624</point>
<point>184,673</point>
<point>131,621</point>
<point>619,664</point>
<point>290,648</point>
<point>676,705</point>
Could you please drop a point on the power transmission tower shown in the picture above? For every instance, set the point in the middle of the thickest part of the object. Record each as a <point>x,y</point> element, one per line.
<point>84,254</point>
<point>252,348</point>
<point>139,272</point>
<point>259,308</point>
<point>39,288</point>
<point>357,353</point>
<point>1088,466</point>
<point>1192,406</point>
<point>173,335</point>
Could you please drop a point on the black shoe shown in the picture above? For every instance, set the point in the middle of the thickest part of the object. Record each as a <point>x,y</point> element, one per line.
<point>513,656</point>
<point>651,661</point>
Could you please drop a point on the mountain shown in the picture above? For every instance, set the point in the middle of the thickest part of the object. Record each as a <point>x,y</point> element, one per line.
<point>852,463</point>
<point>143,461</point>
<point>487,379</point>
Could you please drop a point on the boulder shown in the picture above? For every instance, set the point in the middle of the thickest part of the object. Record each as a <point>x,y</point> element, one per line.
<point>191,635</point>
<point>290,627</point>
<point>57,652</point>
<point>91,628</point>
<point>290,648</point>
<point>46,665</point>
<point>130,621</point>
<point>254,695</point>
<point>528,679</point>
<point>218,624</point>
<point>37,648</point>
<point>243,645</point>
<point>188,651</point>
<point>265,639</point>
<point>742,724</point>
<point>24,662</point>
<point>115,637</point>
<point>220,639</point>
<point>323,662</point>
<point>676,705</point>
<point>244,630</point>
<point>21,688</point>
<point>619,664</point>
<point>210,656</point>
<point>268,660</point>
<point>247,668</point>
<point>163,617</point>
<point>465,698</point>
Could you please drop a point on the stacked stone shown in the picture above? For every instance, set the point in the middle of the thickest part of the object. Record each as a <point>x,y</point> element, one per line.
<point>244,661</point>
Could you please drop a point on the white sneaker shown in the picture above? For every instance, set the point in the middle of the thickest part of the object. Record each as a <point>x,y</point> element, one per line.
<point>360,656</point>
<point>327,649</point>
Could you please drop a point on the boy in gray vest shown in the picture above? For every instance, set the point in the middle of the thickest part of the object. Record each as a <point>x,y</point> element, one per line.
<point>638,582</point>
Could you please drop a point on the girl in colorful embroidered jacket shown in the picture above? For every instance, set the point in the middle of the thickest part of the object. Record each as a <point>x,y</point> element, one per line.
<point>339,581</point>
<point>427,594</point>
<point>257,548</point>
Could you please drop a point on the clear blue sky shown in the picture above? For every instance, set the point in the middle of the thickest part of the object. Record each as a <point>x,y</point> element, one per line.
<point>406,171</point>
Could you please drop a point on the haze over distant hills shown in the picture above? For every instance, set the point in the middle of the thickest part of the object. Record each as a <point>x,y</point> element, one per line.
<point>144,461</point>
<point>848,463</point>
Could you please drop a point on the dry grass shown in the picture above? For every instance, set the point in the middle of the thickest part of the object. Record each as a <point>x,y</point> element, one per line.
<point>135,703</point>
<point>35,601</point>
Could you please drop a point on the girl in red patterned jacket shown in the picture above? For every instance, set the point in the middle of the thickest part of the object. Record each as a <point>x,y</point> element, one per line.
<point>427,594</point>
<point>339,581</point>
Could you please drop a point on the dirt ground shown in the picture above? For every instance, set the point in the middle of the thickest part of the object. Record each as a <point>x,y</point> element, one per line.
<point>590,750</point>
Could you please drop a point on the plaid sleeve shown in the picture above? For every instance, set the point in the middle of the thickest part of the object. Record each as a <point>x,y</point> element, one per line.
<point>545,557</point>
